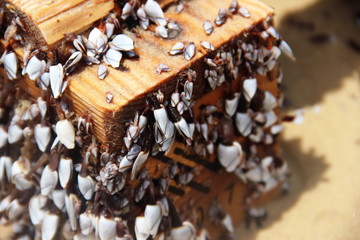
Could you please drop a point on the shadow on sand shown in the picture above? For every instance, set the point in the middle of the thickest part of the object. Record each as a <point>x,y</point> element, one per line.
<point>325,38</point>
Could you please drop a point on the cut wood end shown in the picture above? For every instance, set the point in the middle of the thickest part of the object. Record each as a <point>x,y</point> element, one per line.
<point>46,22</point>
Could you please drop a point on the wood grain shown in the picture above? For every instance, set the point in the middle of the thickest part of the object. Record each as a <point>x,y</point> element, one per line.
<point>130,88</point>
<point>47,21</point>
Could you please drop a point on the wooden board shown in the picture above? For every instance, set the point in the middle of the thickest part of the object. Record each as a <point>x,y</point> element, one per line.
<point>87,93</point>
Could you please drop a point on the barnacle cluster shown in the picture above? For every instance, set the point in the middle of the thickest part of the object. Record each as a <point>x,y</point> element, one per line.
<point>59,182</point>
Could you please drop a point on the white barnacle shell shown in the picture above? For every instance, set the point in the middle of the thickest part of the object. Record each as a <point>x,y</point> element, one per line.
<point>141,14</point>
<point>244,12</point>
<point>162,119</point>
<point>210,147</point>
<point>269,102</point>
<point>73,60</point>
<point>227,223</point>
<point>86,223</point>
<point>45,80</point>
<point>66,133</point>
<point>271,118</point>
<point>154,11</point>
<point>231,104</point>
<point>266,162</point>
<point>42,136</point>
<point>102,72</point>
<point>183,128</point>
<point>152,217</point>
<point>162,68</point>
<point>49,226</point>
<point>35,67</point>
<point>142,232</point>
<point>19,170</point>
<point>94,35</point>
<point>204,130</point>
<point>36,212</point>
<point>101,44</point>
<point>272,31</point>
<point>14,133</point>
<point>173,26</point>
<point>254,174</point>
<point>15,210</point>
<point>109,26</point>
<point>28,132</point>
<point>139,161</point>
<point>144,24</point>
<point>3,136</point>
<point>125,164</point>
<point>162,31</point>
<point>271,64</point>
<point>122,43</point>
<point>113,58</point>
<point>70,204</point>
<point>142,123</point>
<point>233,6</point>
<point>188,90</point>
<point>126,11</point>
<point>207,45</point>
<point>229,156</point>
<point>208,27</point>
<point>65,170</point>
<point>285,48</point>
<point>185,232</point>
<point>86,186</point>
<point>56,79</point>
<point>11,65</point>
<point>177,48</point>
<point>42,106</point>
<point>96,42</point>
<point>58,197</point>
<point>175,99</point>
<point>275,52</point>
<point>144,20</point>
<point>243,123</point>
<point>259,117</point>
<point>5,203</point>
<point>91,60</point>
<point>109,97</point>
<point>190,51</point>
<point>169,138</point>
<point>107,228</point>
<point>48,180</point>
<point>179,7</point>
<point>164,206</point>
<point>222,13</point>
<point>79,45</point>
<point>249,88</point>
<point>5,167</point>
<point>132,132</point>
<point>257,134</point>
<point>181,107</point>
<point>276,129</point>
<point>221,17</point>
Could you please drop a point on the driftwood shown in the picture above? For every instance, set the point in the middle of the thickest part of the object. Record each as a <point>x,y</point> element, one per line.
<point>138,80</point>
<point>130,88</point>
